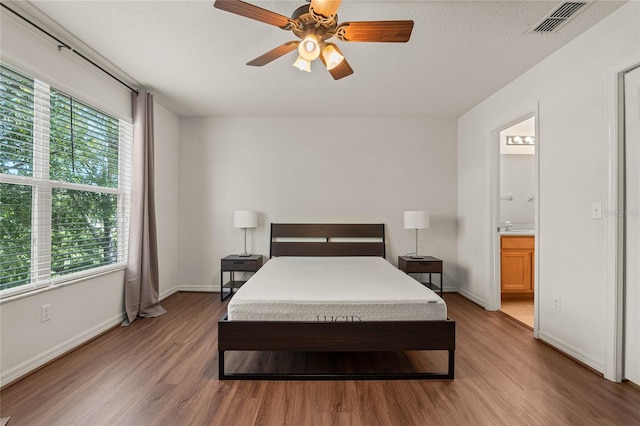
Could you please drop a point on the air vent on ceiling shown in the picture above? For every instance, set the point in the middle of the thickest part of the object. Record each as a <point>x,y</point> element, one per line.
<point>559,16</point>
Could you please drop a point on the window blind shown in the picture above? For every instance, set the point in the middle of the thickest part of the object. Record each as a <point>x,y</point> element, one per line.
<point>16,108</point>
<point>64,186</point>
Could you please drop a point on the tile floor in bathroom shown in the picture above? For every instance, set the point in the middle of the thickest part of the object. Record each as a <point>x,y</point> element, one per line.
<point>520,310</point>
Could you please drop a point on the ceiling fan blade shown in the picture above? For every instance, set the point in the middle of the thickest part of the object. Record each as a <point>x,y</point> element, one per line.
<point>377,31</point>
<point>253,12</point>
<point>326,8</point>
<point>273,54</point>
<point>343,69</point>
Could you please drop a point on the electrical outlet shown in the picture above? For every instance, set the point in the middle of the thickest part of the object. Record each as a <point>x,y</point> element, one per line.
<point>45,312</point>
<point>596,210</point>
<point>556,304</point>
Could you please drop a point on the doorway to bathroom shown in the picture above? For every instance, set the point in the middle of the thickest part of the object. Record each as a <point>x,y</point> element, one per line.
<point>517,223</point>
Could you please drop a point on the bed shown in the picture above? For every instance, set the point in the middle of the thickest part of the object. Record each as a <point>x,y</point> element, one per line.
<point>263,319</point>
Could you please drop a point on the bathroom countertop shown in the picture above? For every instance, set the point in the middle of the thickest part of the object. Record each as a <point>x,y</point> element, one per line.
<point>523,232</point>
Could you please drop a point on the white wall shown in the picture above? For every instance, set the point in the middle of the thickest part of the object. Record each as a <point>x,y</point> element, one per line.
<point>167,151</point>
<point>82,310</point>
<point>34,53</point>
<point>570,87</point>
<point>365,170</point>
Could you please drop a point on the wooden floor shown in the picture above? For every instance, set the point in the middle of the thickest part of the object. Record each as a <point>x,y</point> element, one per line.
<point>164,371</point>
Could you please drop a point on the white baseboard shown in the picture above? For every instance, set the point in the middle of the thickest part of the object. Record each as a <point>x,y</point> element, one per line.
<point>168,293</point>
<point>188,288</point>
<point>571,351</point>
<point>32,364</point>
<point>471,297</point>
<point>199,288</point>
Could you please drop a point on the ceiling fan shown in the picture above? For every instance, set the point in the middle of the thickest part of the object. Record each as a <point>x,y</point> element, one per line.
<point>314,24</point>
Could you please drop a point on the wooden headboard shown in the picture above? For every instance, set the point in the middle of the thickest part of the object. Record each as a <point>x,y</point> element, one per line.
<point>327,239</point>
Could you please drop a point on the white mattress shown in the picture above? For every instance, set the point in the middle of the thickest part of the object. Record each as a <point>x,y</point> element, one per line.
<point>334,289</point>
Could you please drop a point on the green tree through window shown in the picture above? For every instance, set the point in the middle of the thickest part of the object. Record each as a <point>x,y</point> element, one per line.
<point>16,159</point>
<point>83,150</point>
<point>84,143</point>
<point>15,235</point>
<point>67,214</point>
<point>16,125</point>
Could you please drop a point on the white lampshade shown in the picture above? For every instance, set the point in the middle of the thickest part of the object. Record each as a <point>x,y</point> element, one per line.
<point>245,219</point>
<point>302,64</point>
<point>416,219</point>
<point>309,49</point>
<point>332,56</point>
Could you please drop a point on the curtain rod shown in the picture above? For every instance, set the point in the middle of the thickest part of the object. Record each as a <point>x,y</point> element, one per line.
<point>63,45</point>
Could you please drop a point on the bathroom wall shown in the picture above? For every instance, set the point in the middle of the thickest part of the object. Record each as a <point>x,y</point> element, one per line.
<point>517,177</point>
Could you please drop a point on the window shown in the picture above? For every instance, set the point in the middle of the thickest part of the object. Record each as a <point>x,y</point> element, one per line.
<point>64,186</point>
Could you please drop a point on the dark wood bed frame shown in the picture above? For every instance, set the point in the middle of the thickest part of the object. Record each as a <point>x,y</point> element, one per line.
<point>292,336</point>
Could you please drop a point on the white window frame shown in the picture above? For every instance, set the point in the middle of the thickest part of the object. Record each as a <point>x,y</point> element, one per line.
<point>42,188</point>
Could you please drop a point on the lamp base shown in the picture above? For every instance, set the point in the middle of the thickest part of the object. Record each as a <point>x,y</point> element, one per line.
<point>245,255</point>
<point>417,257</point>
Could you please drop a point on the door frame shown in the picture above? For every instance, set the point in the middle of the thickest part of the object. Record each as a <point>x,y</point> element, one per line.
<point>492,297</point>
<point>614,309</point>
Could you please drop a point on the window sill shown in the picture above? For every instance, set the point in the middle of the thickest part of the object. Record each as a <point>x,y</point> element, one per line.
<point>64,281</point>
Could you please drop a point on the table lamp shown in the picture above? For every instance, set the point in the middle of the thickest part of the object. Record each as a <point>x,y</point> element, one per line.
<point>416,220</point>
<point>245,219</point>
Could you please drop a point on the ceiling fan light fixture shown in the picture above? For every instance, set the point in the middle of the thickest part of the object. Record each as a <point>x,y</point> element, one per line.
<point>324,10</point>
<point>313,24</point>
<point>309,48</point>
<point>332,56</point>
<point>302,64</point>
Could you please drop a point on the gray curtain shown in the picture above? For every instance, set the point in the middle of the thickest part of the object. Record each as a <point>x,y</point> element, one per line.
<point>141,285</point>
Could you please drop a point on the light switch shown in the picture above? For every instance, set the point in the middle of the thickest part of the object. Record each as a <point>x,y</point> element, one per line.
<point>596,210</point>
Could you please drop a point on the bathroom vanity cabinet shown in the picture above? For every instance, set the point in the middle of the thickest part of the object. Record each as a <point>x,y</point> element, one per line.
<point>516,266</point>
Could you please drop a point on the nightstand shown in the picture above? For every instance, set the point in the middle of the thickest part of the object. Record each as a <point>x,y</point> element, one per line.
<point>424,265</point>
<point>236,263</point>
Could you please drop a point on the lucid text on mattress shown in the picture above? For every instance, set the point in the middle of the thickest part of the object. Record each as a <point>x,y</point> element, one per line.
<point>338,318</point>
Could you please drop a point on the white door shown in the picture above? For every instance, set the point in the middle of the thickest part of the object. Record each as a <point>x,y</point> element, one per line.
<point>632,229</point>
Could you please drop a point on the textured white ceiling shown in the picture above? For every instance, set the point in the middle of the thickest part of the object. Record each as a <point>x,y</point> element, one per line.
<point>193,56</point>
